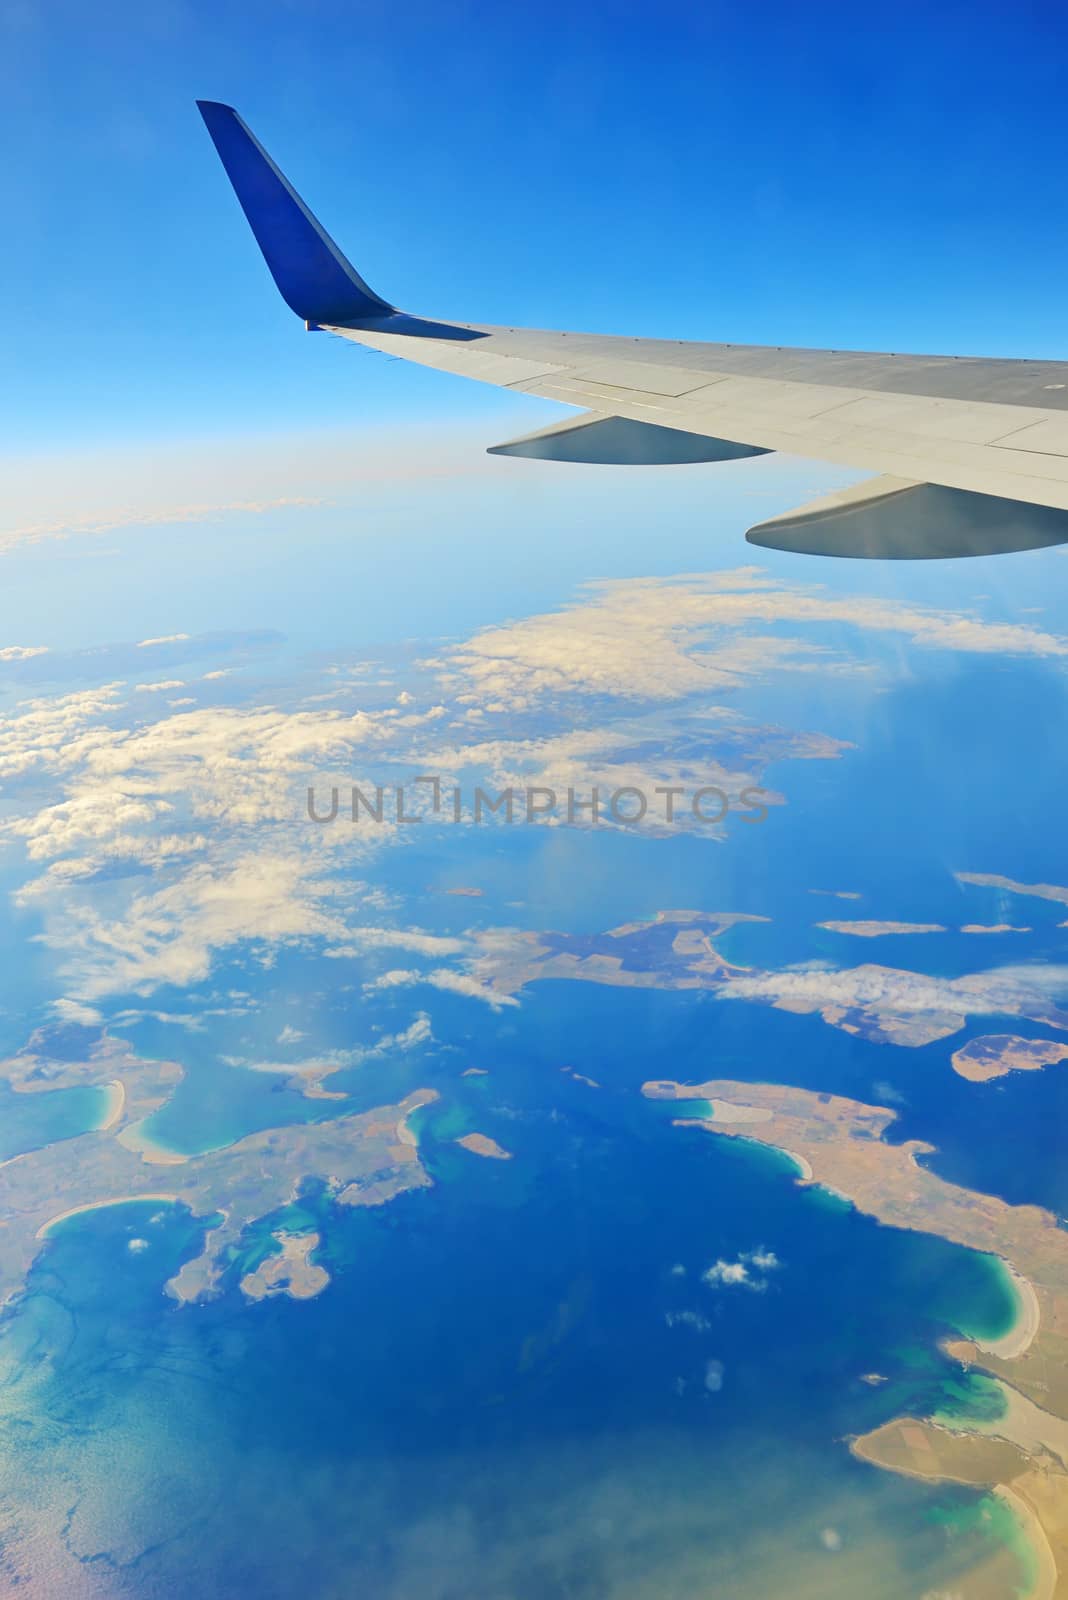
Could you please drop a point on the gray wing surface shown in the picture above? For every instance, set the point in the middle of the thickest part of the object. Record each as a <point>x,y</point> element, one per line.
<point>972,454</point>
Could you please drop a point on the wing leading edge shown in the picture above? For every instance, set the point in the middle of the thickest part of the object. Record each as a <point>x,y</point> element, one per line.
<point>972,454</point>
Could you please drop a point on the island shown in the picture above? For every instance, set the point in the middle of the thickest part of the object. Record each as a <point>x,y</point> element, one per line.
<point>679,950</point>
<point>480,1144</point>
<point>875,930</point>
<point>290,1270</point>
<point>838,1143</point>
<point>362,1159</point>
<point>580,1077</point>
<point>992,1055</point>
<point>995,880</point>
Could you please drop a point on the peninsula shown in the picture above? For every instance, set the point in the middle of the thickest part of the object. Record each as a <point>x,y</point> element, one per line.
<point>364,1159</point>
<point>679,950</point>
<point>838,1143</point>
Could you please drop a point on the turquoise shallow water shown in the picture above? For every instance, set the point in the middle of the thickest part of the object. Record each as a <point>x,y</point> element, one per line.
<point>29,1121</point>
<point>509,1386</point>
<point>517,1383</point>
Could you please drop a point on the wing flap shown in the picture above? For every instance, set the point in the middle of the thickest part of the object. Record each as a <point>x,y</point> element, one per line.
<point>973,452</point>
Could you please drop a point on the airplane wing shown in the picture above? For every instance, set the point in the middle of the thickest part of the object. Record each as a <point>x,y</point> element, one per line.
<point>972,454</point>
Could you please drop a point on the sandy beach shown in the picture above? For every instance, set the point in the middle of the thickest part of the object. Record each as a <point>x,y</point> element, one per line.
<point>114,1105</point>
<point>405,1134</point>
<point>1026,1446</point>
<point>804,1167</point>
<point>99,1205</point>
<point>155,1155</point>
<point>1045,1584</point>
<point>1021,1335</point>
<point>1037,1433</point>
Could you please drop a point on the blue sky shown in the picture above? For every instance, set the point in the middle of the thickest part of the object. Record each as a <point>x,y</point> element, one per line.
<point>779,174</point>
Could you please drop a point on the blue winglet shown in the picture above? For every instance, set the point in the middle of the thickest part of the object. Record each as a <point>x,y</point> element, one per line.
<point>312,275</point>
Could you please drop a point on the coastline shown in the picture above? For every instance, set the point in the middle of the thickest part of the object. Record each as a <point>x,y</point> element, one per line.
<point>1034,1535</point>
<point>1031,1532</point>
<point>99,1205</point>
<point>480,1144</point>
<point>1023,1423</point>
<point>114,1106</point>
<point>1018,1340</point>
<point>290,1271</point>
<point>804,1167</point>
<point>404,1133</point>
<point>1026,1448</point>
<point>136,1140</point>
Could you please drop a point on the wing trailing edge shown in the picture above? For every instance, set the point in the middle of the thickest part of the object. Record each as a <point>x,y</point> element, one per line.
<point>973,452</point>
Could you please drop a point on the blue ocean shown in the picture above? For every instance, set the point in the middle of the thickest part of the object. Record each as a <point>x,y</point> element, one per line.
<point>518,1382</point>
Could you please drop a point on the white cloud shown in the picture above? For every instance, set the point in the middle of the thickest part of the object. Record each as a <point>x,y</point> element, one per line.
<point>417,1032</point>
<point>886,1094</point>
<point>727,1274</point>
<point>223,763</point>
<point>108,821</point>
<point>320,1066</point>
<point>361,940</point>
<point>714,1374</point>
<point>22,652</point>
<point>169,935</point>
<point>316,1067</point>
<point>687,1319</point>
<point>446,979</point>
<point>884,993</point>
<point>460,983</point>
<point>289,1035</point>
<point>182,795</point>
<point>77,1011</point>
<point>663,639</point>
<point>684,752</point>
<point>396,978</point>
<point>48,733</point>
